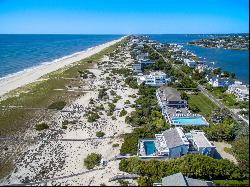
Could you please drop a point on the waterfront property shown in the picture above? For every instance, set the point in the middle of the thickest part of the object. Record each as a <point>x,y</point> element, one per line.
<point>157,78</point>
<point>218,81</point>
<point>137,68</point>
<point>175,110</point>
<point>174,143</point>
<point>178,179</point>
<point>240,90</point>
<point>190,63</point>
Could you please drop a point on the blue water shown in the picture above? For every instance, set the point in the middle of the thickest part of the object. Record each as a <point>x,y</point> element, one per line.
<point>19,52</point>
<point>188,121</point>
<point>229,60</point>
<point>149,147</point>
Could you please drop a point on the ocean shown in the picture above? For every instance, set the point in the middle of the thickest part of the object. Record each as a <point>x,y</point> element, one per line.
<point>24,51</point>
<point>235,61</point>
<point>20,52</point>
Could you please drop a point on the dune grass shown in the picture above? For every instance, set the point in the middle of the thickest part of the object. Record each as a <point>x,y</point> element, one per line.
<point>42,94</point>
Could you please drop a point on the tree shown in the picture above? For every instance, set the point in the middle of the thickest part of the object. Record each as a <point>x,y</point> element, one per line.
<point>184,95</point>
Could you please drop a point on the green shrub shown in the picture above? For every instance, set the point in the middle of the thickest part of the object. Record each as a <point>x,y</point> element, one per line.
<point>93,117</point>
<point>41,126</point>
<point>127,102</point>
<point>59,105</point>
<point>191,165</point>
<point>113,118</point>
<point>231,182</point>
<point>92,160</point>
<point>115,145</point>
<point>123,112</point>
<point>100,134</point>
<point>64,127</point>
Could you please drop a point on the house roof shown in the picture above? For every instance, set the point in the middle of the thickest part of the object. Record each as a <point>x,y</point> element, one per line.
<point>200,139</point>
<point>179,179</point>
<point>171,94</point>
<point>173,138</point>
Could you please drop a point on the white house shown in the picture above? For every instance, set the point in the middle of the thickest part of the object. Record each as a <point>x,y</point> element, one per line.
<point>200,142</point>
<point>157,78</point>
<point>219,82</point>
<point>189,62</point>
<point>137,68</point>
<point>240,90</point>
<point>172,143</point>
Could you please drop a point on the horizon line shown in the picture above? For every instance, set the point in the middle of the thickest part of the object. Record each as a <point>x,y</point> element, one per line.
<point>114,33</point>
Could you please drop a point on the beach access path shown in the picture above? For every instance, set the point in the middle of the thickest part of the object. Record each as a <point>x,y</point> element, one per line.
<point>30,75</point>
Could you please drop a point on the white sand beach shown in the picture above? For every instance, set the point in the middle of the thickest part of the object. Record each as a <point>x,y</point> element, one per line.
<point>62,162</point>
<point>30,75</point>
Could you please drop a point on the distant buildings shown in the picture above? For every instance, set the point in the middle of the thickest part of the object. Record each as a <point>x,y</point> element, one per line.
<point>157,78</point>
<point>178,179</point>
<point>174,143</point>
<point>190,63</point>
<point>218,81</point>
<point>240,90</point>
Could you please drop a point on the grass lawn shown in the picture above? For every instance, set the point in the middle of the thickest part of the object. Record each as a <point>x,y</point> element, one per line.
<point>203,103</point>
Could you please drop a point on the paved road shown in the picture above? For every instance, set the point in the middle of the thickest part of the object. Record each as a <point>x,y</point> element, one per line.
<point>235,116</point>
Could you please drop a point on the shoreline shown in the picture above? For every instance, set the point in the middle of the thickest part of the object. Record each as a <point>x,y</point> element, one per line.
<point>29,75</point>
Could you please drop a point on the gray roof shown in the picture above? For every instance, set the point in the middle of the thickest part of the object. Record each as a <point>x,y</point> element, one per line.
<point>172,138</point>
<point>179,180</point>
<point>171,94</point>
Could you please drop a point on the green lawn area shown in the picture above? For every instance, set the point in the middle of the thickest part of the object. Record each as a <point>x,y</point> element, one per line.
<point>202,102</point>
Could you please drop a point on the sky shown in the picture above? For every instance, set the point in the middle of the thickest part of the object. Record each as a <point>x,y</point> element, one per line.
<point>123,16</point>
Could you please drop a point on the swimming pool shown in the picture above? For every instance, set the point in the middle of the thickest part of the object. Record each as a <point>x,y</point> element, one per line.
<point>188,121</point>
<point>149,147</point>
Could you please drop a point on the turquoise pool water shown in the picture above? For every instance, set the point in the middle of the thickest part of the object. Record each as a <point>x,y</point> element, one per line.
<point>188,121</point>
<point>149,147</point>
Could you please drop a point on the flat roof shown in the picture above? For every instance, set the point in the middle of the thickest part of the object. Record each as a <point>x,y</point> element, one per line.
<point>171,94</point>
<point>200,139</point>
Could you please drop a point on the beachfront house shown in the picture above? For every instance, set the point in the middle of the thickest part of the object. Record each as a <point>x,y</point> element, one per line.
<point>157,78</point>
<point>200,143</point>
<point>170,97</point>
<point>189,62</point>
<point>137,68</point>
<point>178,179</point>
<point>240,90</point>
<point>218,81</point>
<point>174,143</point>
<point>175,110</point>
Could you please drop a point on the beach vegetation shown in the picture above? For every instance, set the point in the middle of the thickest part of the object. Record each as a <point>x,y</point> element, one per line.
<point>127,102</point>
<point>58,105</point>
<point>41,126</point>
<point>115,145</point>
<point>111,109</point>
<point>102,92</point>
<point>92,116</point>
<point>100,134</point>
<point>131,82</point>
<point>92,160</point>
<point>123,182</point>
<point>123,112</point>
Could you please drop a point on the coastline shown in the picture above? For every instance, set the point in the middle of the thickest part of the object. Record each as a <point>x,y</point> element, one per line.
<point>26,76</point>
